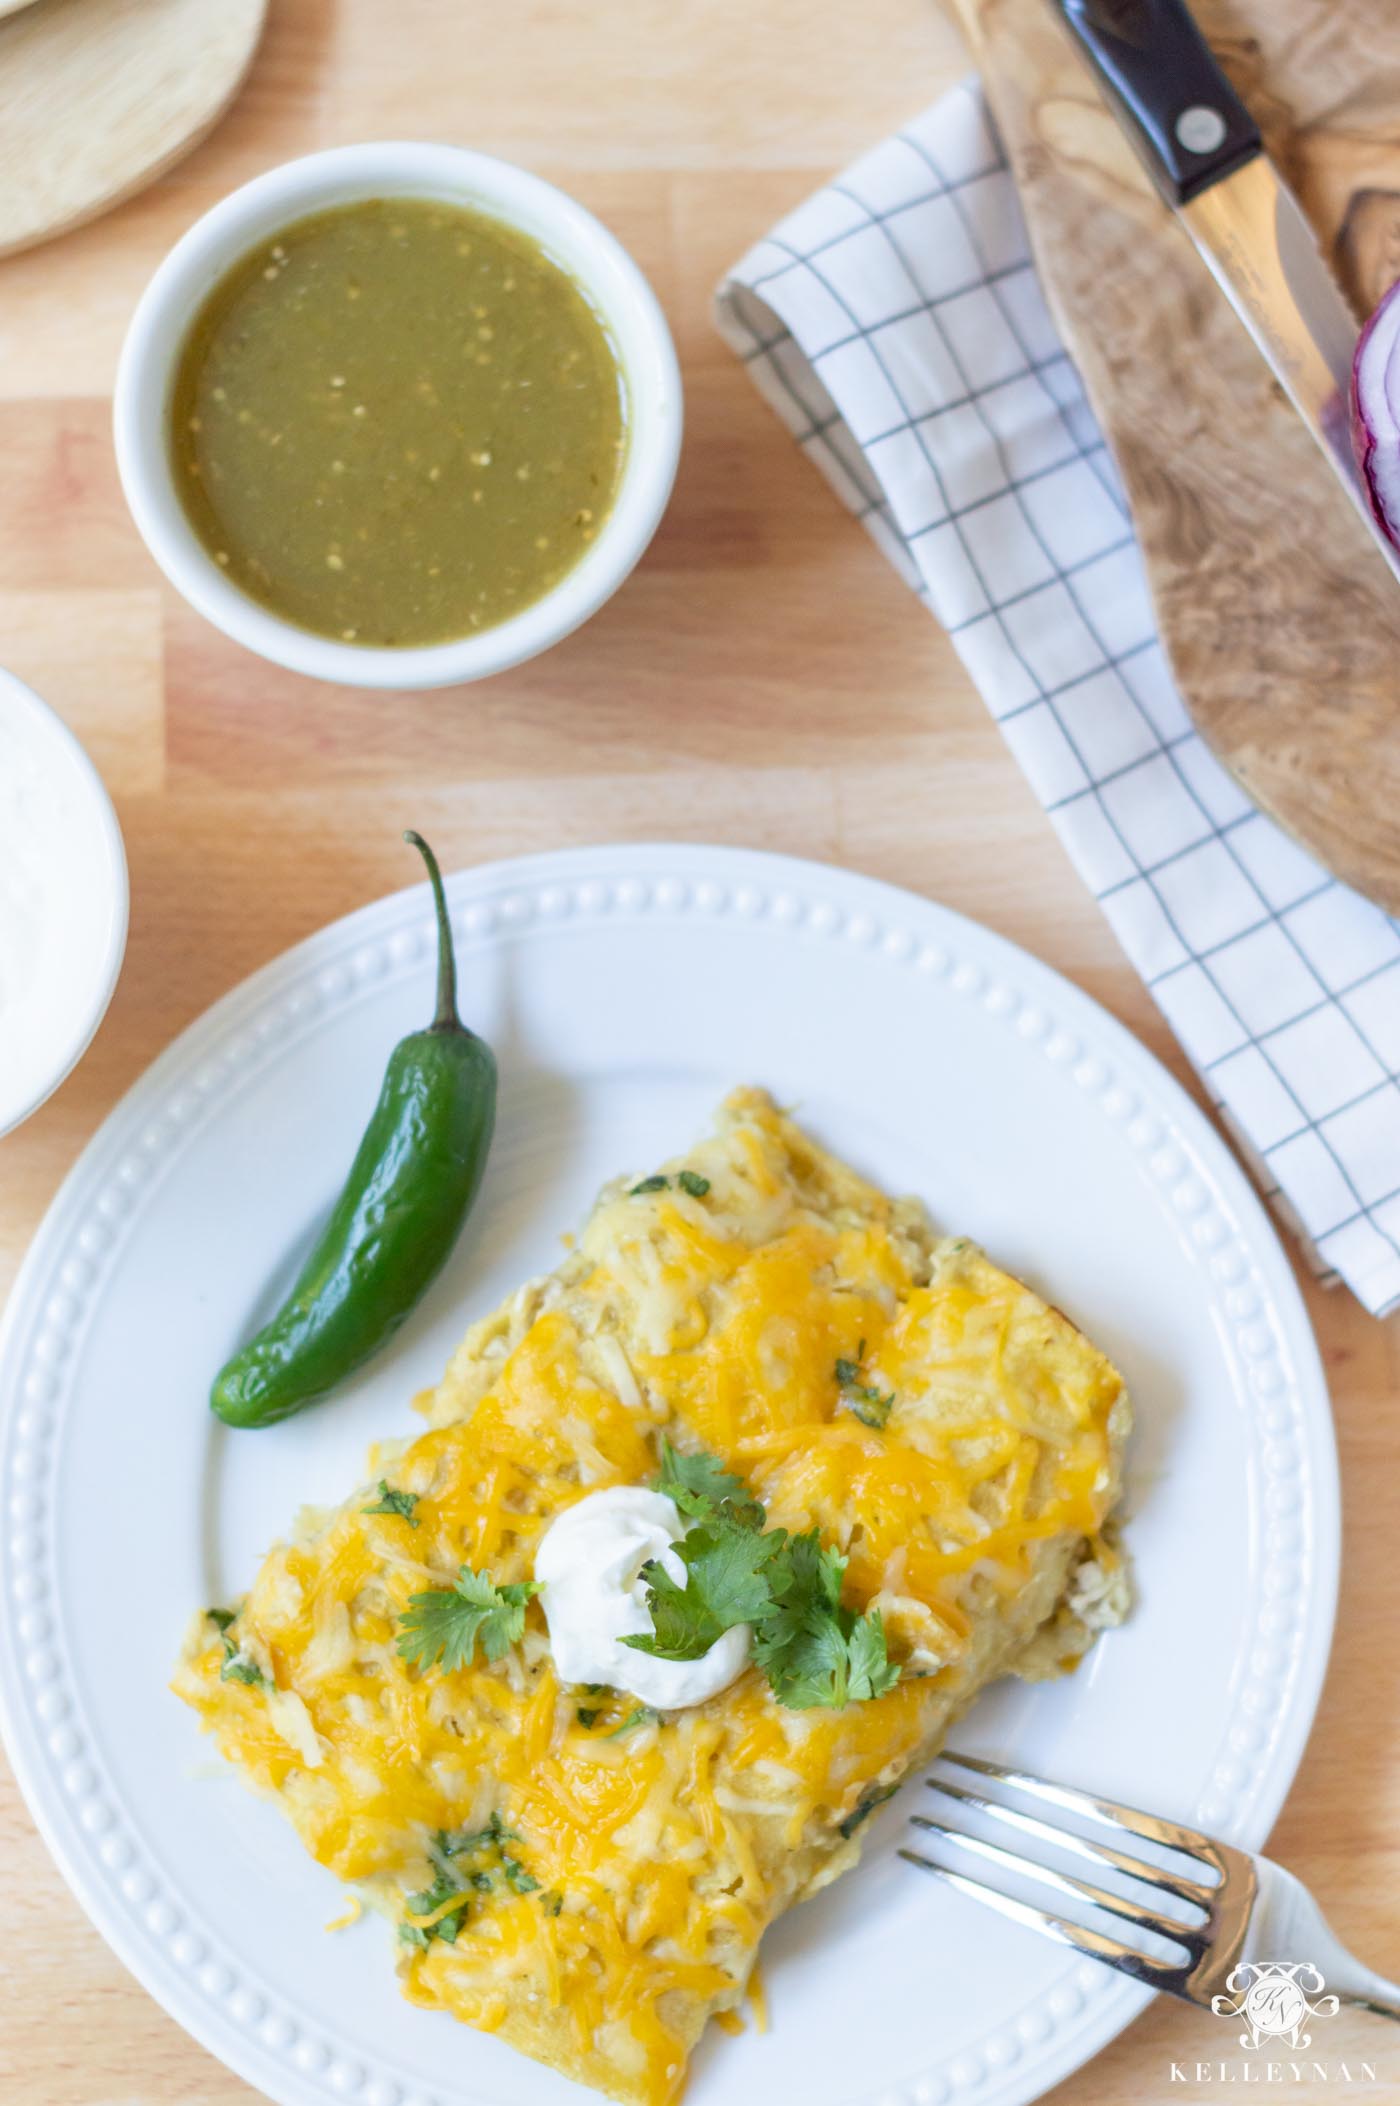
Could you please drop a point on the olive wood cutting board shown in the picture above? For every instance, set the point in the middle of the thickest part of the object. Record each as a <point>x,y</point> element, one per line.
<point>1281,620</point>
<point>99,97</point>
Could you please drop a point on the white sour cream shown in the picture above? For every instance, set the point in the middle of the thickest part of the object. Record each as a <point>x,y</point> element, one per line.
<point>62,901</point>
<point>588,1566</point>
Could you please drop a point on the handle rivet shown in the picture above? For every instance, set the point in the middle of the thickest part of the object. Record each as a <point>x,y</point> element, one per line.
<point>1200,129</point>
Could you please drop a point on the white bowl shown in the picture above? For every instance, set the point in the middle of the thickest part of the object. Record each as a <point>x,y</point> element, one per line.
<point>577,241</point>
<point>63,901</point>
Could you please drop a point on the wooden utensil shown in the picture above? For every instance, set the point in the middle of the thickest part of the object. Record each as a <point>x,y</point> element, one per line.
<point>98,97</point>
<point>1281,620</point>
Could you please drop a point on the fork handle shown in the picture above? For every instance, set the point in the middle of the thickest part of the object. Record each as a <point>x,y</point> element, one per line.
<point>1288,1924</point>
<point>1377,1995</point>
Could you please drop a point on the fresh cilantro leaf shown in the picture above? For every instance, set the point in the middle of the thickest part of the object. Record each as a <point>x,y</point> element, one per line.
<point>237,1667</point>
<point>681,1630</point>
<point>598,1688</point>
<point>517,1878</point>
<point>446,1622</point>
<point>222,1618</point>
<point>394,1502</point>
<point>725,1584</point>
<point>700,1486</point>
<point>552,1902</point>
<point>806,1591</point>
<point>422,1935</point>
<point>814,1651</point>
<point>471,1840</point>
<point>873,1673</point>
<point>812,1669</point>
<point>642,1716</point>
<point>649,1184</point>
<point>869,1406</point>
<point>866,1808</point>
<point>833,1661</point>
<point>587,1716</point>
<point>692,1182</point>
<point>457,1874</point>
<point>442,1889</point>
<point>860,1396</point>
<point>808,1573</point>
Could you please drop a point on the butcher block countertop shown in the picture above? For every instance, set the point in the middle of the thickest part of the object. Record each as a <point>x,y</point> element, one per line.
<point>764,679</point>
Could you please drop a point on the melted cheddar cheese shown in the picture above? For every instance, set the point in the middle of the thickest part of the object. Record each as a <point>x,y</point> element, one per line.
<point>648,1863</point>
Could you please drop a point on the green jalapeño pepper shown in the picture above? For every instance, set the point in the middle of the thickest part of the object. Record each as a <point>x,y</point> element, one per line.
<point>410,1188</point>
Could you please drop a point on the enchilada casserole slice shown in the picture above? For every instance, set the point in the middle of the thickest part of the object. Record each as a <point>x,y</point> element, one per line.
<point>585,1877</point>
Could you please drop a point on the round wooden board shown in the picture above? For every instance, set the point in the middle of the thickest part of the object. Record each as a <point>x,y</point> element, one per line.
<point>98,97</point>
<point>1281,619</point>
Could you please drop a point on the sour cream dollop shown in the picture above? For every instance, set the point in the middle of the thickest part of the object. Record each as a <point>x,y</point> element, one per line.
<point>589,1565</point>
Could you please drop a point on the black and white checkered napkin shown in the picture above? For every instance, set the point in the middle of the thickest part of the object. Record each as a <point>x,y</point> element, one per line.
<point>895,322</point>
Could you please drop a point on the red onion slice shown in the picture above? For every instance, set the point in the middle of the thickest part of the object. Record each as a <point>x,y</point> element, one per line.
<point>1375,412</point>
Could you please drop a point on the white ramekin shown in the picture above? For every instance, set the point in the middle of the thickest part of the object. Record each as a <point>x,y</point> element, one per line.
<point>63,758</point>
<point>585,248</point>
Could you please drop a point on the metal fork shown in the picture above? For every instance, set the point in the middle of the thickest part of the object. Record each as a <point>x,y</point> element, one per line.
<point>1226,1918</point>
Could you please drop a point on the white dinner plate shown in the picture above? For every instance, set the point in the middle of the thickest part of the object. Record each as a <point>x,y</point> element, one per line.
<point>625,990</point>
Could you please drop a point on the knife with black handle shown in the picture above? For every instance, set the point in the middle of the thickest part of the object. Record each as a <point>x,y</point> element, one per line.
<point>1167,89</point>
<point>1205,154</point>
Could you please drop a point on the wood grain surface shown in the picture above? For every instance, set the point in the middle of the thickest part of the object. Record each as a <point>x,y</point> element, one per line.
<point>1280,617</point>
<point>97,97</point>
<point>764,679</point>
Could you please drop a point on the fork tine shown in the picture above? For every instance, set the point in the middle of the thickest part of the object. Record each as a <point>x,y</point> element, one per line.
<point>1078,1845</point>
<point>1109,1813</point>
<point>1187,1936</point>
<point>1161,1974</point>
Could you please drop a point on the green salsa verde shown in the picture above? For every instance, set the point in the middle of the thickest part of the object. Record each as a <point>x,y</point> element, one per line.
<point>397,422</point>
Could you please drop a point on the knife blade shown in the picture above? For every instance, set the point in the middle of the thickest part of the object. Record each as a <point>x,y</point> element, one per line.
<point>1205,154</point>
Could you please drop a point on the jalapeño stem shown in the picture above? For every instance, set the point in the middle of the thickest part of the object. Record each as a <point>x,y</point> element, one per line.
<point>447,1018</point>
